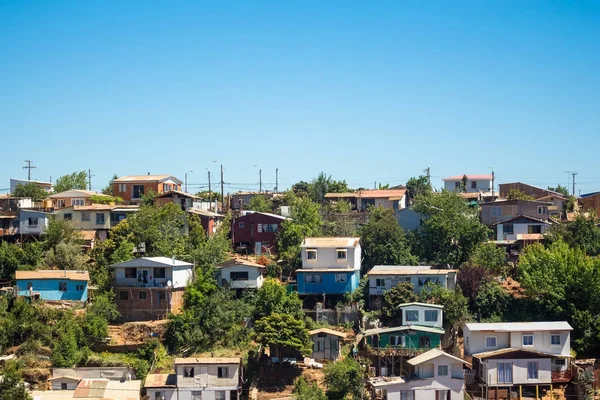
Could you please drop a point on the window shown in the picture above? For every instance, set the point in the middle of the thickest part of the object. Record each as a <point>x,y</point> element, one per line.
<point>62,286</point>
<point>311,254</point>
<point>442,370</point>
<point>270,227</point>
<point>265,243</point>
<point>79,287</point>
<point>123,295</point>
<point>29,285</point>
<point>130,273</point>
<point>32,221</point>
<point>196,395</point>
<point>341,278</point>
<point>142,295</point>
<point>534,229</point>
<point>508,229</point>
<point>188,372</point>
<point>496,211</point>
<point>431,315</point>
<point>442,394</point>
<point>312,278</point>
<point>68,216</point>
<point>560,362</point>
<point>456,185</point>
<point>260,228</point>
<point>542,210</point>
<point>490,341</point>
<point>407,395</point>
<point>412,315</point>
<point>60,203</point>
<point>162,295</point>
<point>220,395</point>
<point>533,370</point>
<point>342,254</point>
<point>555,340</point>
<point>122,187</point>
<point>223,372</point>
<point>99,218</point>
<point>397,341</point>
<point>527,340</point>
<point>238,276</point>
<point>159,396</point>
<point>166,187</point>
<point>379,282</point>
<point>473,184</point>
<point>85,216</point>
<point>138,191</point>
<point>160,273</point>
<point>78,202</point>
<point>241,225</point>
<point>504,372</point>
<point>64,386</point>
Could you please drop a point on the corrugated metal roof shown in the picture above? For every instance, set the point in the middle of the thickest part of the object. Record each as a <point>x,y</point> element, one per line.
<point>430,355</point>
<point>74,193</point>
<point>519,326</point>
<point>397,194</point>
<point>53,274</point>
<point>216,360</point>
<point>509,350</point>
<point>330,242</point>
<point>407,270</point>
<point>371,332</point>
<point>204,213</point>
<point>239,261</point>
<point>153,262</point>
<point>380,381</point>
<point>328,331</point>
<point>333,269</point>
<point>160,380</point>
<point>416,303</point>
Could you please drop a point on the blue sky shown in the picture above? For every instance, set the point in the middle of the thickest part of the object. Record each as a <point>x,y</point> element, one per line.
<point>365,91</point>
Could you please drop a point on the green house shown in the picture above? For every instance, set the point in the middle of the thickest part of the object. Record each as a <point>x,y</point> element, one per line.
<point>407,337</point>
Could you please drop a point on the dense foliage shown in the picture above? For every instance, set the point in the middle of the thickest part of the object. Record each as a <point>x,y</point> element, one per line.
<point>305,391</point>
<point>76,180</point>
<point>30,190</point>
<point>344,379</point>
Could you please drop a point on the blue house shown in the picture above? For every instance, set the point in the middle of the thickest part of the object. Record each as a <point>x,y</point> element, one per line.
<point>330,266</point>
<point>53,284</point>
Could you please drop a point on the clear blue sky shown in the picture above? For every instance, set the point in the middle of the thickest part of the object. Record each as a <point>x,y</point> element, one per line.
<point>365,91</point>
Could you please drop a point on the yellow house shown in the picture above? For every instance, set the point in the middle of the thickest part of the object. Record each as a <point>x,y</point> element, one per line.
<point>94,220</point>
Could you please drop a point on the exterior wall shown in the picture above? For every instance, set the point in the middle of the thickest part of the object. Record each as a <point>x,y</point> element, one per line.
<point>413,339</point>
<point>330,344</point>
<point>255,278</point>
<point>166,393</point>
<point>328,284</point>
<point>48,289</point>
<point>68,201</point>
<point>483,185</point>
<point>536,192</point>
<point>519,371</point>
<point>127,195</point>
<point>512,208</point>
<point>26,229</point>
<point>112,373</point>
<point>205,376</point>
<point>409,220</point>
<point>56,384</point>
<point>186,394</point>
<point>79,223</point>
<point>15,182</point>
<point>245,230</point>
<point>518,229</point>
<point>178,275</point>
<point>421,310</point>
<point>475,341</point>
<point>175,198</point>
<point>448,281</point>
<point>327,258</point>
<point>152,307</point>
<point>591,203</point>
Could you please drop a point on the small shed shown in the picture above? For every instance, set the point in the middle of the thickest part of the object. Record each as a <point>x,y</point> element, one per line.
<point>239,273</point>
<point>64,382</point>
<point>327,343</point>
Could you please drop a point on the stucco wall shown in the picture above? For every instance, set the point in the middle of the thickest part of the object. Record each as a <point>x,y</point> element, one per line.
<point>327,258</point>
<point>255,278</point>
<point>519,371</point>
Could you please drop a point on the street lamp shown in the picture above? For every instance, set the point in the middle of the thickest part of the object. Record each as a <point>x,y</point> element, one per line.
<point>188,172</point>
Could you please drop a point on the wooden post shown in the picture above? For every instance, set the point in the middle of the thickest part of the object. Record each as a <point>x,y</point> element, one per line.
<point>537,392</point>
<point>520,392</point>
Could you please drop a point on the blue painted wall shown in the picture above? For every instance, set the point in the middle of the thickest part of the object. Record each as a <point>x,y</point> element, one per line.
<point>328,285</point>
<point>48,289</point>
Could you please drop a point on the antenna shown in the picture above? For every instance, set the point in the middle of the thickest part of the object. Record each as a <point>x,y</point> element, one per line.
<point>29,167</point>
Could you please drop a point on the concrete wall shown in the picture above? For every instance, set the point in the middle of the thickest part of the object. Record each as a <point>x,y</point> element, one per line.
<point>327,258</point>
<point>152,307</point>
<point>112,373</point>
<point>518,229</point>
<point>56,384</point>
<point>255,278</point>
<point>186,394</point>
<point>48,289</point>
<point>79,223</point>
<point>421,313</point>
<point>519,371</point>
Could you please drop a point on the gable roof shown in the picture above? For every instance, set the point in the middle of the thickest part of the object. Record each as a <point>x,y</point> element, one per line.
<point>53,274</point>
<point>204,213</point>
<point>330,242</point>
<point>239,261</point>
<point>146,178</point>
<point>408,270</point>
<point>74,193</point>
<point>160,380</point>
<point>509,219</point>
<point>71,378</point>
<point>416,303</point>
<point>179,192</point>
<point>377,331</point>
<point>509,350</point>
<point>519,326</point>
<point>583,196</point>
<point>470,177</point>
<point>431,354</point>
<point>328,331</point>
<point>153,262</point>
<point>216,360</point>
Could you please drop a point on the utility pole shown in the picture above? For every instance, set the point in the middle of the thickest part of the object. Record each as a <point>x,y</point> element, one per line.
<point>428,175</point>
<point>276,180</point>
<point>493,181</point>
<point>29,167</point>
<point>573,173</point>
<point>90,179</point>
<point>222,193</point>
<point>260,181</point>
<point>209,193</point>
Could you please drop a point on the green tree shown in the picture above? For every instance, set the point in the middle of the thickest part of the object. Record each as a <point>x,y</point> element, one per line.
<point>260,203</point>
<point>11,384</point>
<point>463,183</point>
<point>273,298</point>
<point>104,306</point>
<point>30,190</point>
<point>65,255</point>
<point>65,352</point>
<point>305,391</point>
<point>323,184</point>
<point>105,199</point>
<point>490,256</point>
<point>76,180</point>
<point>470,279</point>
<point>417,187</point>
<point>162,229</point>
<point>60,231</point>
<point>560,189</point>
<point>451,232</point>
<point>300,189</point>
<point>492,303</point>
<point>11,256</point>
<point>109,189</point>
<point>456,310</point>
<point>583,233</point>
<point>344,379</point>
<point>399,294</point>
<point>282,331</point>
<point>516,194</point>
<point>382,241</point>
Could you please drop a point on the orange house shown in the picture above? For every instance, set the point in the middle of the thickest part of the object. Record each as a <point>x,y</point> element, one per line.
<point>131,188</point>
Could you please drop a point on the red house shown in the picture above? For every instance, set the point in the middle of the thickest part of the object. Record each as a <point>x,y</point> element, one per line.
<point>256,232</point>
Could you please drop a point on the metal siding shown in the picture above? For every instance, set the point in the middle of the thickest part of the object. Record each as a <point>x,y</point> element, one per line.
<point>48,289</point>
<point>328,284</point>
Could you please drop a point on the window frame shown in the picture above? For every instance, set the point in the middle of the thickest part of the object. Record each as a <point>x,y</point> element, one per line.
<point>60,203</point>
<point>196,394</point>
<point>78,202</point>
<point>241,224</point>
<point>32,221</point>
<point>122,187</point>
<point>473,184</point>
<point>495,342</point>
<point>103,219</point>
<point>64,386</point>
<point>537,370</point>
<point>62,286</point>
<point>313,252</point>
<point>188,372</point>
<point>145,295</point>
<point>379,282</point>
<point>68,216</point>
<point>220,395</point>
<point>128,276</point>
<point>123,295</point>
<point>528,335</point>
<point>400,340</point>
<point>543,209</point>
<point>495,211</point>
<point>80,288</point>
<point>85,216</point>
<point>220,374</point>
<point>341,278</point>
<point>431,320</point>
<point>439,368</point>
<point>552,336</point>
<point>340,252</point>
<point>313,275</point>
<point>233,276</point>
<point>504,381</point>
<point>163,273</point>
<point>411,312</point>
<point>508,232</point>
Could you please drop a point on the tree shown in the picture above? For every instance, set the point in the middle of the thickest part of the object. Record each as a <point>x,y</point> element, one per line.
<point>470,279</point>
<point>65,352</point>
<point>109,189</point>
<point>305,391</point>
<point>260,203</point>
<point>489,256</point>
<point>300,189</point>
<point>583,233</point>
<point>162,229</point>
<point>60,230</point>
<point>417,187</point>
<point>516,194</point>
<point>451,232</point>
<point>11,384</point>
<point>30,190</point>
<point>399,294</point>
<point>282,331</point>
<point>65,255</point>
<point>104,306</point>
<point>456,311</point>
<point>382,241</point>
<point>273,298</point>
<point>105,199</point>
<point>10,259</point>
<point>76,180</point>
<point>323,184</point>
<point>344,378</point>
<point>559,189</point>
<point>463,183</point>
<point>491,303</point>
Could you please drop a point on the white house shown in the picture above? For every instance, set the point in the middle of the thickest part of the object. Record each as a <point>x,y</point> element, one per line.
<point>422,314</point>
<point>519,353</point>
<point>197,378</point>
<point>327,343</point>
<point>385,277</point>
<point>521,227</point>
<point>33,222</point>
<point>433,375</point>
<point>238,273</point>
<point>475,183</point>
<point>47,186</point>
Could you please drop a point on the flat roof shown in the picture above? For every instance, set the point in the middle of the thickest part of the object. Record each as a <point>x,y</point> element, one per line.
<point>160,381</point>
<point>146,178</point>
<point>416,303</point>
<point>75,193</point>
<point>53,274</point>
<point>204,213</point>
<point>519,326</point>
<point>469,176</point>
<point>332,269</point>
<point>332,242</point>
<point>241,262</point>
<point>215,360</point>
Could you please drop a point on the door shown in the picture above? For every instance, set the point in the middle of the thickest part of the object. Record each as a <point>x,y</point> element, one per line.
<point>258,248</point>
<point>425,342</point>
<point>145,275</point>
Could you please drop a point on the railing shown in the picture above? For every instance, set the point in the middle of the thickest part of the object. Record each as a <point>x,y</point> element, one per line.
<point>397,351</point>
<point>561,376</point>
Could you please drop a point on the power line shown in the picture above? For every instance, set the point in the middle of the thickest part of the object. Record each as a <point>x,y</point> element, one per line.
<point>29,167</point>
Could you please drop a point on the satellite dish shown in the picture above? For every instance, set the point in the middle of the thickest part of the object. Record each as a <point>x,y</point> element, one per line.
<point>169,283</point>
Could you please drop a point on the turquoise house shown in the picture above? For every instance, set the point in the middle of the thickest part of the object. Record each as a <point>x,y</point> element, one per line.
<point>405,337</point>
<point>53,285</point>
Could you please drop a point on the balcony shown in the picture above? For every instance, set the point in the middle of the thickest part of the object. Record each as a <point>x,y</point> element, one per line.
<point>394,351</point>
